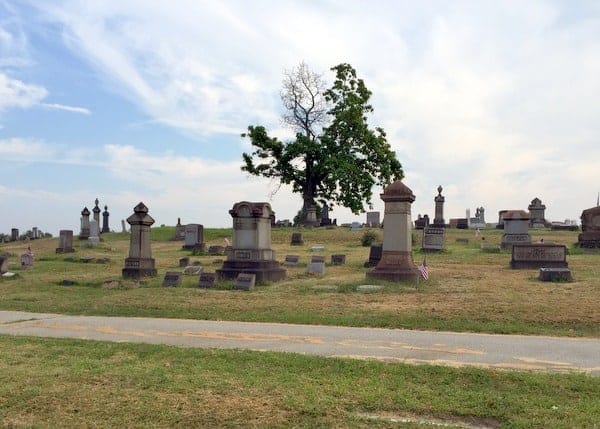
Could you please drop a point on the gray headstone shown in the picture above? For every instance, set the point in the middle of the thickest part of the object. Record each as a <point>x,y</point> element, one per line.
<point>433,238</point>
<point>555,275</point>
<point>207,280</point>
<point>539,255</point>
<point>338,259</point>
<point>244,281</point>
<point>172,278</point>
<point>317,258</point>
<point>291,260</point>
<point>296,239</point>
<point>316,268</point>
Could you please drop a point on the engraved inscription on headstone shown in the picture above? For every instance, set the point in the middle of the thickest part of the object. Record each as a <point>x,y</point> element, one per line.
<point>244,281</point>
<point>538,255</point>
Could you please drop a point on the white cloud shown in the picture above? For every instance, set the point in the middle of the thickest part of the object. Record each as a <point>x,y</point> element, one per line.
<point>15,93</point>
<point>73,109</point>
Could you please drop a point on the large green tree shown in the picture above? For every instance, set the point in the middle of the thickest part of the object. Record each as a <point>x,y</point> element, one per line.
<point>335,158</point>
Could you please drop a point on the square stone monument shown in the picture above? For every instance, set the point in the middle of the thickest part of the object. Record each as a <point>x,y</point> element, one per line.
<point>251,247</point>
<point>516,228</point>
<point>537,213</point>
<point>590,229</point>
<point>140,262</point>
<point>194,237</point>
<point>65,241</point>
<point>84,233</point>
<point>396,262</point>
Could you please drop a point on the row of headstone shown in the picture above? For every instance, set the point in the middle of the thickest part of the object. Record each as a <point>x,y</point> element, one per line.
<point>91,228</point>
<point>294,260</point>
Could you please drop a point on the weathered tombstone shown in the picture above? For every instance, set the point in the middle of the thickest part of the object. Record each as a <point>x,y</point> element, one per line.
<point>14,234</point>
<point>355,226</point>
<point>325,221</point>
<point>94,237</point>
<point>27,259</point>
<point>192,270</point>
<point>105,215</point>
<point>244,281</point>
<point>296,239</point>
<point>194,237</point>
<point>184,262</point>
<point>537,215</point>
<point>34,232</point>
<point>590,229</point>
<point>172,278</point>
<point>373,219</point>
<point>216,250</point>
<point>396,260</point>
<point>207,280</point>
<point>438,220</point>
<point>3,264</point>
<point>65,241</point>
<point>433,239</point>
<point>85,224</point>
<point>374,255</point>
<point>179,231</point>
<point>317,258</point>
<point>421,222</point>
<point>316,268</point>
<point>555,275</point>
<point>291,260</point>
<point>251,248</point>
<point>123,227</point>
<point>516,228</point>
<point>338,259</point>
<point>140,262</point>
<point>539,255</point>
<point>96,211</point>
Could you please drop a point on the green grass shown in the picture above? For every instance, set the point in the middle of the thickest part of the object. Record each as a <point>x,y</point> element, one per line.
<point>73,383</point>
<point>468,289</point>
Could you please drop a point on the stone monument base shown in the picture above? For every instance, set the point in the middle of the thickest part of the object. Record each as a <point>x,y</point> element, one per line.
<point>139,267</point>
<point>265,271</point>
<point>395,266</point>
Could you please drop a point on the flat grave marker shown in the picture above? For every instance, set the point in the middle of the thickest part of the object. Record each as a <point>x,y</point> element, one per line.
<point>244,281</point>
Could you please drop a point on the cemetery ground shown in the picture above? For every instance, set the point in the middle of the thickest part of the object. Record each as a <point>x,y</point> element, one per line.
<point>50,382</point>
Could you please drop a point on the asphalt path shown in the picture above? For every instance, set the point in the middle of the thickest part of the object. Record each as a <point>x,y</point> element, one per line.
<point>517,352</point>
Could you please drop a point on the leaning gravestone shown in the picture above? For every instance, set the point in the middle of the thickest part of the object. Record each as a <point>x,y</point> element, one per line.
<point>244,281</point>
<point>516,228</point>
<point>140,262</point>
<point>85,224</point>
<point>433,239</point>
<point>172,278</point>
<point>123,227</point>
<point>539,255</point>
<point>194,237</point>
<point>251,247</point>
<point>65,241</point>
<point>207,280</point>
<point>396,259</point>
<point>590,229</point>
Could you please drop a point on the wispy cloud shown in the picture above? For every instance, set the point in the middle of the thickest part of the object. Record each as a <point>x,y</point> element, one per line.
<point>15,93</point>
<point>73,109</point>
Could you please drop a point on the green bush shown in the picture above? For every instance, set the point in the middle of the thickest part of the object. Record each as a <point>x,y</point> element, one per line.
<point>368,238</point>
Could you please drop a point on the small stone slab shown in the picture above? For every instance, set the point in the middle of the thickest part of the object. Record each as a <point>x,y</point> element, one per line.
<point>291,260</point>
<point>172,279</point>
<point>216,250</point>
<point>184,262</point>
<point>68,283</point>
<point>192,270</point>
<point>369,288</point>
<point>244,281</point>
<point>207,280</point>
<point>317,258</point>
<point>555,275</point>
<point>338,259</point>
<point>316,268</point>
<point>490,248</point>
<point>325,288</point>
<point>317,248</point>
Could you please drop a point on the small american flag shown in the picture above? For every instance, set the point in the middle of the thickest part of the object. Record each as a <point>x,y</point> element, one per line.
<point>423,269</point>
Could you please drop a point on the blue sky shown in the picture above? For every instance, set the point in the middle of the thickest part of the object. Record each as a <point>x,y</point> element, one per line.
<point>145,101</point>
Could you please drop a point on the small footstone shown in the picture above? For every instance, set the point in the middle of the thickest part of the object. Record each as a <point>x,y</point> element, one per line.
<point>369,288</point>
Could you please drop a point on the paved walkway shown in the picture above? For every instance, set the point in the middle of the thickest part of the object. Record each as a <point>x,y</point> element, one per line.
<point>439,348</point>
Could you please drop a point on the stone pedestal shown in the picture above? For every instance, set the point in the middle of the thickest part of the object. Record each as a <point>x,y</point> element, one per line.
<point>251,247</point>
<point>516,228</point>
<point>590,229</point>
<point>84,234</point>
<point>140,262</point>
<point>438,220</point>
<point>65,241</point>
<point>396,259</point>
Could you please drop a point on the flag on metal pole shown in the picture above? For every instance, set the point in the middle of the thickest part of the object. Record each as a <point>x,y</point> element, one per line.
<point>423,269</point>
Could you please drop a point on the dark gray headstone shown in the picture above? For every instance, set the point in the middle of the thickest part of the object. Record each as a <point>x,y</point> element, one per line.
<point>374,255</point>
<point>291,260</point>
<point>244,281</point>
<point>184,262</point>
<point>296,239</point>
<point>207,280</point>
<point>338,259</point>
<point>172,278</point>
<point>555,275</point>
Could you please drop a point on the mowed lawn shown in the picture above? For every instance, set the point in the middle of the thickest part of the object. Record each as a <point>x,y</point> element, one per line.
<point>468,289</point>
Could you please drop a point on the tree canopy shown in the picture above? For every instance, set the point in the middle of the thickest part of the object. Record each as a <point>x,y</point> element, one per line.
<point>335,158</point>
